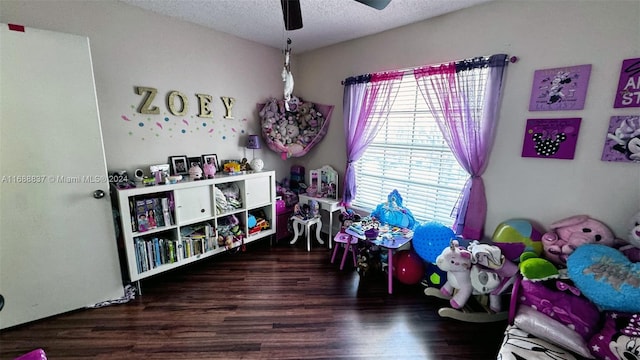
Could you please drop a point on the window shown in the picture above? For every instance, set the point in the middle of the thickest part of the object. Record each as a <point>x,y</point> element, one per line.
<point>409,154</point>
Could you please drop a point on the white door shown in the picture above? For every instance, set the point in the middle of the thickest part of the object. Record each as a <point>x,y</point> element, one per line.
<point>57,245</point>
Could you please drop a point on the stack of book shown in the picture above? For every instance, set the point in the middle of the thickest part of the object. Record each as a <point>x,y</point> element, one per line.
<point>153,252</point>
<point>198,239</point>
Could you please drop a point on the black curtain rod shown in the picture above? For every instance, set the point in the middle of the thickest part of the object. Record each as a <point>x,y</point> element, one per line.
<point>367,77</point>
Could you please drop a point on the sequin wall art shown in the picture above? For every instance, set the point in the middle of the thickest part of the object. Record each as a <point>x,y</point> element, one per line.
<point>562,88</point>
<point>551,138</point>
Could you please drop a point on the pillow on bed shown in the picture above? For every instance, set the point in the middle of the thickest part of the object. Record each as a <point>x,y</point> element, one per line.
<point>544,327</point>
<point>561,301</point>
<point>520,345</point>
<point>606,277</point>
<point>619,338</point>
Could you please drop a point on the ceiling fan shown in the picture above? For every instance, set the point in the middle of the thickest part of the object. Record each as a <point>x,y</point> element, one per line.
<point>293,16</point>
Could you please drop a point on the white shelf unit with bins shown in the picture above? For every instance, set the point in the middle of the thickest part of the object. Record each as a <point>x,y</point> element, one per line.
<point>154,244</point>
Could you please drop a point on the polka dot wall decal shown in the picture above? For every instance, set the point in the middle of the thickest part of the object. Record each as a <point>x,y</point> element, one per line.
<point>204,124</point>
<point>166,119</point>
<point>184,131</point>
<point>141,124</point>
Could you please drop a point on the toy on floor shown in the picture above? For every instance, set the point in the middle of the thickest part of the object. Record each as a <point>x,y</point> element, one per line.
<point>430,239</point>
<point>456,262</point>
<point>568,234</point>
<point>481,269</point>
<point>408,267</point>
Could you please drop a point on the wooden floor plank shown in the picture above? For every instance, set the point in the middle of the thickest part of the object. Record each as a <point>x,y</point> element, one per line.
<point>278,302</point>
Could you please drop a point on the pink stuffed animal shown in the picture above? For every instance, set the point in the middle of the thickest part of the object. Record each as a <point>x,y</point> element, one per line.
<point>209,170</point>
<point>456,261</point>
<point>566,235</point>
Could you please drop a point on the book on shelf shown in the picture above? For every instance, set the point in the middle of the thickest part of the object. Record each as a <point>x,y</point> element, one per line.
<point>198,238</point>
<point>151,212</point>
<point>158,213</point>
<point>144,215</point>
<point>166,211</point>
<point>153,252</point>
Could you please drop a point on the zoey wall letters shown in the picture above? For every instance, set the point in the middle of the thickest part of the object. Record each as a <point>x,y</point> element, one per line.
<point>149,119</point>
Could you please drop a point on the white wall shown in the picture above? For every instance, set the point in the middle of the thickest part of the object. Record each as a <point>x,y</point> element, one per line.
<point>134,47</point>
<point>543,34</point>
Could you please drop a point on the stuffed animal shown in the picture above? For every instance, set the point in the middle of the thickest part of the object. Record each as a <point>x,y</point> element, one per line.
<point>456,261</point>
<point>568,234</point>
<point>209,170</point>
<point>492,273</point>
<point>632,250</point>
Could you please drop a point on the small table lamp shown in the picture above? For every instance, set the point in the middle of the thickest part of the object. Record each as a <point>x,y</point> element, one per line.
<point>253,143</point>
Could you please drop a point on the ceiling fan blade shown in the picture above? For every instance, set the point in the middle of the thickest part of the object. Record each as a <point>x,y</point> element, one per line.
<point>376,4</point>
<point>291,14</point>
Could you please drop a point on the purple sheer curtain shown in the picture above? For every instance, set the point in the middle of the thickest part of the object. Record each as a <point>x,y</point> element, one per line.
<point>366,104</point>
<point>468,123</point>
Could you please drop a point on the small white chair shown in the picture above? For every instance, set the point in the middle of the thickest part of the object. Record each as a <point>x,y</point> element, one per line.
<point>301,225</point>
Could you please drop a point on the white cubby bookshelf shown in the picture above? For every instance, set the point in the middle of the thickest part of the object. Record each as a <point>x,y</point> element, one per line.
<point>190,231</point>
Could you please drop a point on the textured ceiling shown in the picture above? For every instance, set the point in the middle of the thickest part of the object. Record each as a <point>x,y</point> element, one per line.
<point>326,22</point>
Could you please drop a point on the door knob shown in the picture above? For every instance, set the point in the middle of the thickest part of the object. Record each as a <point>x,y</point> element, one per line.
<point>98,194</point>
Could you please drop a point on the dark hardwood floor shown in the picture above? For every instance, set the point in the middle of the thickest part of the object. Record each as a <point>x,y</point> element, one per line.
<point>278,302</point>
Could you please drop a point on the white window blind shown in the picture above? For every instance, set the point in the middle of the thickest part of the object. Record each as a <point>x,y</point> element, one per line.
<point>409,154</point>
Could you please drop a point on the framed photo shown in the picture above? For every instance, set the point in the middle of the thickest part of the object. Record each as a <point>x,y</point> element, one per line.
<point>194,161</point>
<point>179,165</point>
<point>562,88</point>
<point>211,158</point>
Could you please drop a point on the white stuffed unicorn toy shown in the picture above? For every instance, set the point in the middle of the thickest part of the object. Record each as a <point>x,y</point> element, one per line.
<point>287,77</point>
<point>481,269</point>
<point>456,261</point>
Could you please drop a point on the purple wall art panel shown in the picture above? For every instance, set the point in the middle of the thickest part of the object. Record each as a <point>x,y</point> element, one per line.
<point>551,138</point>
<point>628,94</point>
<point>623,139</point>
<point>562,88</point>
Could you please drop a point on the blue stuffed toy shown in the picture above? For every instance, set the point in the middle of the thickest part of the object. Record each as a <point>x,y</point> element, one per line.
<point>394,213</point>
